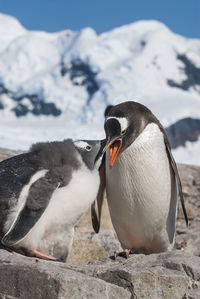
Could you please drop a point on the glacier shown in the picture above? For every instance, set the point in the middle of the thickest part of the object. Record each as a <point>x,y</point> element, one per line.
<point>57,85</point>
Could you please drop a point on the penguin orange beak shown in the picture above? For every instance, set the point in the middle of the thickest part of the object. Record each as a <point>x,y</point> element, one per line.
<point>115,147</point>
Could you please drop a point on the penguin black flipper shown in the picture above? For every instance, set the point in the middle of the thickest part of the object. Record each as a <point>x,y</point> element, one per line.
<point>178,181</point>
<point>14,174</point>
<point>35,204</point>
<point>97,204</point>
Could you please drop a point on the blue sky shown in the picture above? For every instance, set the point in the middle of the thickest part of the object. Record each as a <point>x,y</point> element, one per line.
<point>181,16</point>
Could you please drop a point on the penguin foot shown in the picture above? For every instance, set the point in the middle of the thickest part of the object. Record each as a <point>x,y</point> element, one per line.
<point>182,245</point>
<point>36,253</point>
<point>125,253</point>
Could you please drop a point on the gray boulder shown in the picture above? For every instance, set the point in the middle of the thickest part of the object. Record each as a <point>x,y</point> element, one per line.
<point>170,275</point>
<point>23,277</point>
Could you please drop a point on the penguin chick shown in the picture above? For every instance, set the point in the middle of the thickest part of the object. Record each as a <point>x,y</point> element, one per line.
<point>43,194</point>
<point>141,180</point>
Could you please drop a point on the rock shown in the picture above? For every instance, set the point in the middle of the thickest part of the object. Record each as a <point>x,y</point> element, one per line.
<point>88,246</point>
<point>28,103</point>
<point>23,277</point>
<point>5,153</point>
<point>192,74</point>
<point>183,130</point>
<point>190,178</point>
<point>193,294</point>
<point>81,74</point>
<point>108,240</point>
<point>165,275</point>
<point>85,250</point>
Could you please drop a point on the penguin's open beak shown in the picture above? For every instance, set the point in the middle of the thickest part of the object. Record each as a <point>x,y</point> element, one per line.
<point>115,147</point>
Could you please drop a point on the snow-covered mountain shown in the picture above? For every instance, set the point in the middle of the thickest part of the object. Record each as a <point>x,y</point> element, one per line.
<point>54,86</point>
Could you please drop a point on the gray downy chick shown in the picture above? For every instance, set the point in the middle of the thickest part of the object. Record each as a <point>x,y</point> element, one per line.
<point>44,193</point>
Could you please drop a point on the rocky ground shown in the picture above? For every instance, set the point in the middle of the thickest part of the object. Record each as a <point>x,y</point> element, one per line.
<point>91,273</point>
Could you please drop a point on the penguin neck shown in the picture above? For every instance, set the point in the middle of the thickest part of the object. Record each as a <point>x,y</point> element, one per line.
<point>143,163</point>
<point>150,137</point>
<point>146,138</point>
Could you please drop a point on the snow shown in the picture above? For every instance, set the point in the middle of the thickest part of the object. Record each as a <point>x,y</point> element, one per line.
<point>189,155</point>
<point>21,133</point>
<point>132,62</point>
<point>10,29</point>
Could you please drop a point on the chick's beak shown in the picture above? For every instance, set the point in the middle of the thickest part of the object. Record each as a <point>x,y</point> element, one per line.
<point>114,147</point>
<point>101,150</point>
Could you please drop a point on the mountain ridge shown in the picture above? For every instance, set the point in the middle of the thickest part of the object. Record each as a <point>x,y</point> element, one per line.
<point>73,76</point>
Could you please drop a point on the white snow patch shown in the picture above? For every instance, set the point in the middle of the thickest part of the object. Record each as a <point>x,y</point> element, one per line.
<point>189,154</point>
<point>132,62</point>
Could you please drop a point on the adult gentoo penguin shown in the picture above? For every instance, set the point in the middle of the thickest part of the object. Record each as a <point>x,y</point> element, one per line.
<point>141,180</point>
<point>44,192</point>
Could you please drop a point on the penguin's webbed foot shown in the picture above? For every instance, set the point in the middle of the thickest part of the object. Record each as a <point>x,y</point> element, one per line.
<point>181,246</point>
<point>125,253</point>
<point>37,253</point>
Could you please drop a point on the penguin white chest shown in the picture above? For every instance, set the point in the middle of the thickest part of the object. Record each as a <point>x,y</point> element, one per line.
<point>138,189</point>
<point>70,202</point>
<point>66,206</point>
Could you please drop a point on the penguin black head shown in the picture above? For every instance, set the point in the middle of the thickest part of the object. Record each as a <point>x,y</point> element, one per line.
<point>91,152</point>
<point>123,124</point>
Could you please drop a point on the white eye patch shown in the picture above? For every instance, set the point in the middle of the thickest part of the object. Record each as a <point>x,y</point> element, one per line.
<point>82,144</point>
<point>122,121</point>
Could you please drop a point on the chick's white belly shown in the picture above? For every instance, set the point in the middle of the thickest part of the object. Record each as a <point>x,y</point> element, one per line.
<point>138,189</point>
<point>65,208</point>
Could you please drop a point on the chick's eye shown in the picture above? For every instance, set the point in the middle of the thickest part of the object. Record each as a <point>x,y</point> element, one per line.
<point>88,148</point>
<point>123,132</point>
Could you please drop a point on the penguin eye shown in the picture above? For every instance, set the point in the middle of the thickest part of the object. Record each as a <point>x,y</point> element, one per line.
<point>88,148</point>
<point>123,132</point>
